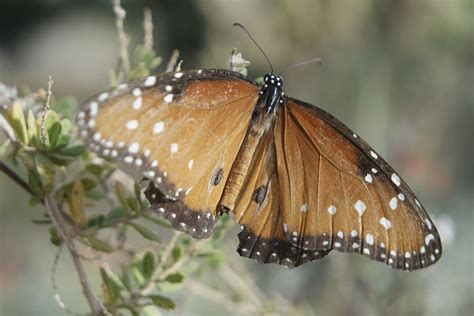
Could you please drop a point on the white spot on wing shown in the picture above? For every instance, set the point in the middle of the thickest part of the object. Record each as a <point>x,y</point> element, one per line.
<point>354,233</point>
<point>369,238</point>
<point>385,223</point>
<point>190,164</point>
<point>393,203</point>
<point>168,98</point>
<point>150,81</point>
<point>304,207</point>
<point>103,96</point>
<point>158,127</point>
<point>429,238</point>
<point>137,104</point>
<point>373,154</point>
<point>368,178</point>
<point>137,92</point>
<point>134,148</point>
<point>360,207</point>
<point>174,148</point>
<point>396,179</point>
<point>94,108</point>
<point>133,124</point>
<point>178,75</point>
<point>332,210</point>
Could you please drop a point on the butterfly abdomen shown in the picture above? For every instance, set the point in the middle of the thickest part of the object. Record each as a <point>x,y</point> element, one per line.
<point>241,164</point>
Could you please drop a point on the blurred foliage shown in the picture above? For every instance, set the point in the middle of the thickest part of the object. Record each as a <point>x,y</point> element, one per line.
<point>399,72</point>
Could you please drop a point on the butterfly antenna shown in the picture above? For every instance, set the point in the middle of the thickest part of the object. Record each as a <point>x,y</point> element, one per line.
<point>314,60</point>
<point>256,44</point>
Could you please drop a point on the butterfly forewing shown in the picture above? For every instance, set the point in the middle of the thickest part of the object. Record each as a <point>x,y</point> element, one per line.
<point>182,131</point>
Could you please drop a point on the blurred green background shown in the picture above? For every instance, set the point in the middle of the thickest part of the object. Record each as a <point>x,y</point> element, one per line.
<point>400,73</point>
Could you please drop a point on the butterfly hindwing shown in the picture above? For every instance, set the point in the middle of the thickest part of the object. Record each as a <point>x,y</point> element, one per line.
<point>343,196</point>
<point>261,214</point>
<point>181,130</point>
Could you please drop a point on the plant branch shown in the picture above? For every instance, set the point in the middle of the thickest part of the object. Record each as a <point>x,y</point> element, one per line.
<point>173,61</point>
<point>148,28</point>
<point>96,306</point>
<point>123,38</point>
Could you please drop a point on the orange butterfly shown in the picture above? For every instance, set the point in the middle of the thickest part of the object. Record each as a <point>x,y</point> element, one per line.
<point>299,181</point>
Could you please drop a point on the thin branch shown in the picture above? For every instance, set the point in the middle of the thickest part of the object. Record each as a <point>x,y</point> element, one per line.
<point>123,38</point>
<point>236,282</point>
<point>46,109</point>
<point>173,61</point>
<point>148,28</point>
<point>96,305</point>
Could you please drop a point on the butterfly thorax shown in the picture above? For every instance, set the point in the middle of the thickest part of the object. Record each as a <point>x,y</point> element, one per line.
<point>271,93</point>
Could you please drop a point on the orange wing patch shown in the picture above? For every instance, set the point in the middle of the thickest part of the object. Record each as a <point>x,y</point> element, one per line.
<point>171,130</point>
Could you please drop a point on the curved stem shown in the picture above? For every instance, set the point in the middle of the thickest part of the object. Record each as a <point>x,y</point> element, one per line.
<point>96,306</point>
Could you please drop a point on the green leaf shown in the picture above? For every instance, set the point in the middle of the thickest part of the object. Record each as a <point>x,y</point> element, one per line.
<point>95,194</point>
<point>121,194</point>
<point>116,214</point>
<point>54,236</point>
<point>94,169</point>
<point>65,106</point>
<point>138,276</point>
<point>113,287</point>
<point>4,147</point>
<point>41,221</point>
<point>175,278</point>
<point>33,201</point>
<point>134,205</point>
<point>76,203</point>
<point>95,221</point>
<point>157,220</point>
<point>31,122</point>
<point>88,183</point>
<point>148,265</point>
<point>73,150</point>
<point>146,232</point>
<point>51,118</point>
<point>58,158</point>
<point>177,252</point>
<point>100,244</point>
<point>163,301</point>
<point>54,132</point>
<point>125,278</point>
<point>34,182</point>
<point>18,122</point>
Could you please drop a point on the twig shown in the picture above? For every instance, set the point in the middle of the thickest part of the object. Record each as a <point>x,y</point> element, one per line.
<point>148,28</point>
<point>46,109</point>
<point>96,306</point>
<point>238,285</point>
<point>173,60</point>
<point>123,38</point>
<point>57,296</point>
<point>208,293</point>
<point>164,259</point>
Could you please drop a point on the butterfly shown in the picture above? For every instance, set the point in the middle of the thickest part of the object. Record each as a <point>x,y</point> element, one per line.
<point>298,181</point>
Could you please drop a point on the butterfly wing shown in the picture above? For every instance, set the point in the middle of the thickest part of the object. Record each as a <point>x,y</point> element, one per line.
<point>334,192</point>
<point>181,130</point>
<point>260,211</point>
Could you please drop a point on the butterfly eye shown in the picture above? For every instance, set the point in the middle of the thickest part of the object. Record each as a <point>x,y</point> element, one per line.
<point>218,176</point>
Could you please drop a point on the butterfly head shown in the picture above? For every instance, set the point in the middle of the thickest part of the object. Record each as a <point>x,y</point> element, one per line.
<point>272,80</point>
